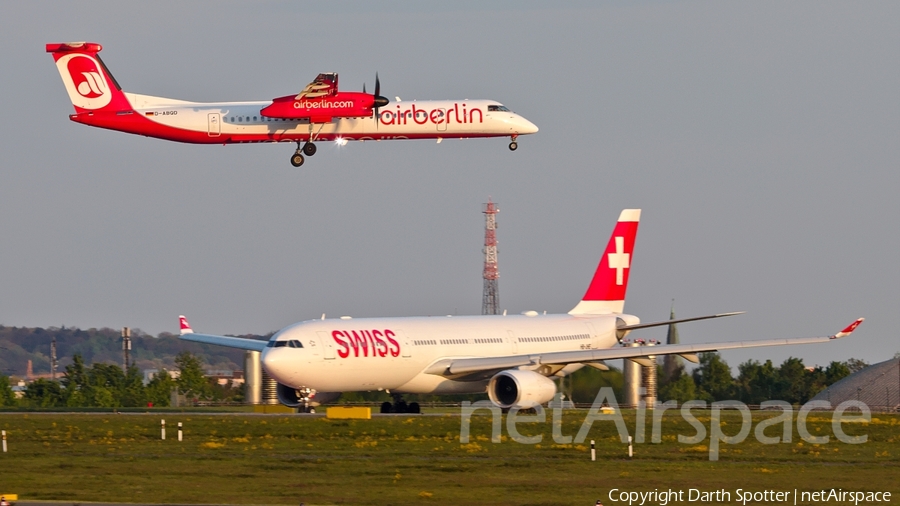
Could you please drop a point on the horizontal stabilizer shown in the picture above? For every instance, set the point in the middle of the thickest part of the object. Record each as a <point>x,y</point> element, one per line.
<point>672,322</point>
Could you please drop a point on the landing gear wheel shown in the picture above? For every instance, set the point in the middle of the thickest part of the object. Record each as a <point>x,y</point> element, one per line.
<point>309,149</point>
<point>385,407</point>
<point>297,160</point>
<point>413,408</point>
<point>513,146</point>
<point>400,407</point>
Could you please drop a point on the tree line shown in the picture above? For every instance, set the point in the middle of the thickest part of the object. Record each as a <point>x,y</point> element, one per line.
<point>109,386</point>
<point>18,345</point>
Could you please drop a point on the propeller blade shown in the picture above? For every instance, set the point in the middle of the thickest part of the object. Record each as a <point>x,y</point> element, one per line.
<point>377,94</point>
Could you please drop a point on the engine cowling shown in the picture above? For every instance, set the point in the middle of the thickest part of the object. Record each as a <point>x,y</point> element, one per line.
<point>298,397</point>
<point>520,389</point>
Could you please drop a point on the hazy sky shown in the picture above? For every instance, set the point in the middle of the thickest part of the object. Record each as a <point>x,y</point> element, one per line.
<point>760,139</point>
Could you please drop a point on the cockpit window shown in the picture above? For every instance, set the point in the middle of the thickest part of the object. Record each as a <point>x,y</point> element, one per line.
<point>294,343</point>
<point>497,108</point>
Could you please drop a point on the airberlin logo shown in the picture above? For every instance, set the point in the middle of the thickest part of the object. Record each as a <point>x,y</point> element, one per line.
<point>458,113</point>
<point>337,104</point>
<point>366,343</point>
<point>84,81</point>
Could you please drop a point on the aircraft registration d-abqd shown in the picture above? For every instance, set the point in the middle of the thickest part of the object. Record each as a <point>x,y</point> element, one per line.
<point>513,358</point>
<point>319,112</point>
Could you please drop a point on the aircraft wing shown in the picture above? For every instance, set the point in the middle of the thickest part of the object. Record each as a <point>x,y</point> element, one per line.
<point>470,366</point>
<point>188,334</point>
<point>322,86</point>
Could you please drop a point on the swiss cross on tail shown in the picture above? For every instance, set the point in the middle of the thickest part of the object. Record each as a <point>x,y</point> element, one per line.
<point>606,293</point>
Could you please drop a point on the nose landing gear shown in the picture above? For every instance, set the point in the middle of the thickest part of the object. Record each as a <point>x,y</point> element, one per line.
<point>513,145</point>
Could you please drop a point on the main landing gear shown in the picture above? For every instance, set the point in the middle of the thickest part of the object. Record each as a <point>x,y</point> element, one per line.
<point>513,145</point>
<point>399,406</point>
<point>307,149</point>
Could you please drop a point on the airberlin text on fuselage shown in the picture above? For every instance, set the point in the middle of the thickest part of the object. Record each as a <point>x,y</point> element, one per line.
<point>375,343</point>
<point>337,104</point>
<point>407,115</point>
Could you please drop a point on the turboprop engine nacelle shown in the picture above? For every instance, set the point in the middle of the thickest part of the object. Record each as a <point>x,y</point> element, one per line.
<point>324,109</point>
<point>294,398</point>
<point>520,389</point>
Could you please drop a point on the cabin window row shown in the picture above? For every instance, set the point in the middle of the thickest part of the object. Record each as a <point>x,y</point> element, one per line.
<point>454,341</point>
<point>248,119</point>
<point>553,338</point>
<point>491,340</point>
<point>424,342</point>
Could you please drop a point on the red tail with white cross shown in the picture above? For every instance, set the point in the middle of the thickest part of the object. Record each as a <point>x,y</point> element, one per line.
<point>606,293</point>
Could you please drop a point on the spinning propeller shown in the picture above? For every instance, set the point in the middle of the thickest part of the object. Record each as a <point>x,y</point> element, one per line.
<point>379,100</point>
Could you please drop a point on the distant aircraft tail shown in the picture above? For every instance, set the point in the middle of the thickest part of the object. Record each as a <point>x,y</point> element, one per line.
<point>185,326</point>
<point>606,293</point>
<point>90,85</point>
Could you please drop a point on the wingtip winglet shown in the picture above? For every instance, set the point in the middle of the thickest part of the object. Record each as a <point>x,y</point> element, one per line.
<point>185,326</point>
<point>850,328</point>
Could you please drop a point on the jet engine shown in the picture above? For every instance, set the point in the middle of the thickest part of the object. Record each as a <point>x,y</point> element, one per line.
<point>303,397</point>
<point>520,389</point>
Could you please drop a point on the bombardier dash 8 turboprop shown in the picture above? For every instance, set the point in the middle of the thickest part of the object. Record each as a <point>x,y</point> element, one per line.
<point>319,112</point>
<point>513,358</point>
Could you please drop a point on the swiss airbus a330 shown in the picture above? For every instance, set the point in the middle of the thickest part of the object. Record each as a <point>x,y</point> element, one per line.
<point>319,112</point>
<point>513,358</point>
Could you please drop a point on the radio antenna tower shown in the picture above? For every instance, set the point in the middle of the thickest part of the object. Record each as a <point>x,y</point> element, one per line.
<point>490,301</point>
<point>53,362</point>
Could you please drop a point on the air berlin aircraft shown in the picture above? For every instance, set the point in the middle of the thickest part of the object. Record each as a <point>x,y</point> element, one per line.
<point>513,358</point>
<point>318,113</point>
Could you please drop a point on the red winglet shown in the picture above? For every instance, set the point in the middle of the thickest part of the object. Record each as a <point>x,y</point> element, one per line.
<point>850,328</point>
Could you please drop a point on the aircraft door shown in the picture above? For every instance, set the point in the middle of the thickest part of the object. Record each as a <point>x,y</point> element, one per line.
<point>513,341</point>
<point>213,126</point>
<point>327,344</point>
<point>405,348</point>
<point>442,121</point>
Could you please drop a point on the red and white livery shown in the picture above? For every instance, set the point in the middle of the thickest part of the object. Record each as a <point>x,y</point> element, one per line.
<point>514,358</point>
<point>319,112</point>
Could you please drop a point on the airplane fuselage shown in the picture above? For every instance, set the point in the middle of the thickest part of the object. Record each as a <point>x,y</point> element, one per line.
<point>359,354</point>
<point>241,122</point>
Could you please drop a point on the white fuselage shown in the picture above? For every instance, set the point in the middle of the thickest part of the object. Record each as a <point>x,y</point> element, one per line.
<point>341,355</point>
<point>237,122</point>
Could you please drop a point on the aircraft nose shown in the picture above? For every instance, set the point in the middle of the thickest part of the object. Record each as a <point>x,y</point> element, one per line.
<point>525,127</point>
<point>276,364</point>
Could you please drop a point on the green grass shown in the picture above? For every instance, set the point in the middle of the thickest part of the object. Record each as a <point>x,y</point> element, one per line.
<point>241,459</point>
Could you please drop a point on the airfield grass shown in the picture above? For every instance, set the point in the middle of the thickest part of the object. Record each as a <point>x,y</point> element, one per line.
<point>246,459</point>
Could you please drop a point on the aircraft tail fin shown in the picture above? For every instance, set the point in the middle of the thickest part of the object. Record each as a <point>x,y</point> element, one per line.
<point>90,85</point>
<point>606,293</point>
<point>185,326</point>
